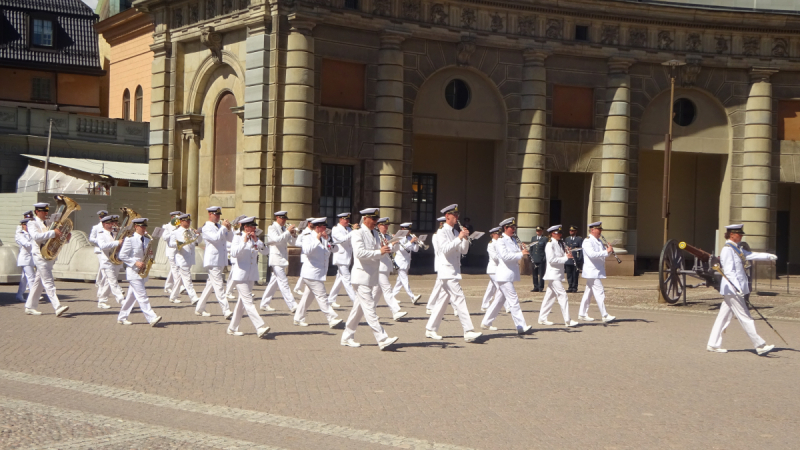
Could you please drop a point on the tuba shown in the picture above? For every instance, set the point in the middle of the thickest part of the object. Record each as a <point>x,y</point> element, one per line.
<point>65,207</point>
<point>125,230</point>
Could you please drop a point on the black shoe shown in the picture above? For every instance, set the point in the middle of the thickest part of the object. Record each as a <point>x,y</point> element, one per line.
<point>535,290</point>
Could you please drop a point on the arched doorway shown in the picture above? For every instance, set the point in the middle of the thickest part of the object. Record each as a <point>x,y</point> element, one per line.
<point>225,130</point>
<point>700,172</point>
<point>459,136</point>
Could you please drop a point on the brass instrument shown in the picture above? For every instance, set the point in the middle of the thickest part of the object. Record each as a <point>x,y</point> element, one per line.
<point>149,253</point>
<point>294,230</point>
<point>175,221</point>
<point>126,229</point>
<point>355,226</point>
<point>189,237</point>
<point>421,244</point>
<point>612,250</point>
<point>53,245</point>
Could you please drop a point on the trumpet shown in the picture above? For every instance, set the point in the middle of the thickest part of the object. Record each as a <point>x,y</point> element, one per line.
<point>294,229</point>
<point>421,244</point>
<point>613,253</point>
<point>189,237</point>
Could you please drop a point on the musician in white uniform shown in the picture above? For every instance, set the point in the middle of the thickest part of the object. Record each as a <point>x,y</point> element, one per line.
<point>216,234</point>
<point>555,255</point>
<point>279,236</point>
<point>436,294</point>
<point>132,255</point>
<point>402,258</point>
<point>44,268</point>
<point>451,246</point>
<point>341,259</point>
<point>106,242</point>
<point>386,265</point>
<point>245,248</point>
<point>594,270</point>
<point>733,261</point>
<point>98,282</point>
<point>24,258</point>
<point>308,228</point>
<point>173,277</point>
<point>508,254</point>
<point>367,253</point>
<point>317,248</point>
<point>185,257</point>
<point>491,270</point>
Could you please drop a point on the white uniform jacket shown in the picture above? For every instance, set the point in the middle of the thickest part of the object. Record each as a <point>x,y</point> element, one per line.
<point>491,268</point>
<point>730,258</point>
<point>508,256</point>
<point>344,248</point>
<point>278,238</point>
<point>93,237</point>
<point>184,257</point>
<point>246,254</point>
<point>435,245</point>
<point>386,260</point>
<point>299,243</point>
<point>216,237</point>
<point>167,237</point>
<point>317,254</point>
<point>39,235</point>
<point>106,243</point>
<point>367,256</point>
<point>23,239</point>
<point>132,251</point>
<point>556,258</point>
<point>594,258</point>
<point>450,250</point>
<point>403,256</point>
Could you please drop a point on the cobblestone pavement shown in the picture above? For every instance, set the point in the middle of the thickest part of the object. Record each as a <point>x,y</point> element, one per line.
<point>644,381</point>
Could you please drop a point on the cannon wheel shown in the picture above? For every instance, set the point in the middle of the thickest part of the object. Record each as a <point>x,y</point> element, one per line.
<point>670,279</point>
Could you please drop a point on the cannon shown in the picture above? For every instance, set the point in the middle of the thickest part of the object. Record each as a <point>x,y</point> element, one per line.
<point>672,272</point>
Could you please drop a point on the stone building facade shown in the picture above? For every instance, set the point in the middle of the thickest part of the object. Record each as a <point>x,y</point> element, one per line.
<point>550,113</point>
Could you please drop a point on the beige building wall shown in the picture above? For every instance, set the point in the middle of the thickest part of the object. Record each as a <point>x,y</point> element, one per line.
<point>129,68</point>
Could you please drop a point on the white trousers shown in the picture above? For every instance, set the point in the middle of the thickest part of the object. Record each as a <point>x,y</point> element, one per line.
<point>245,304</point>
<point>43,280</point>
<point>173,278</point>
<point>491,291</point>
<point>342,280</point>
<point>451,289</point>
<point>216,284</point>
<point>98,280</point>
<point>25,281</point>
<point>229,283</point>
<point>185,276</point>
<point>594,288</point>
<point>109,285</point>
<point>364,306</point>
<point>734,305</point>
<point>299,284</point>
<point>554,291</point>
<point>278,281</point>
<point>506,295</point>
<point>137,293</point>
<point>317,290</point>
<point>435,294</point>
<point>402,281</point>
<point>385,288</point>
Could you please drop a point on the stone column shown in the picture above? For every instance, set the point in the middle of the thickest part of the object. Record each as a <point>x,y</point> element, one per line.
<point>161,171</point>
<point>757,161</point>
<point>389,126</point>
<point>192,128</point>
<point>530,198</point>
<point>614,180</point>
<point>259,102</point>
<point>297,161</point>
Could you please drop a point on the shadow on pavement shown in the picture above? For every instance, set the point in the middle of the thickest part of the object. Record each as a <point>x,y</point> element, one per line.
<point>438,344</point>
<point>298,333</point>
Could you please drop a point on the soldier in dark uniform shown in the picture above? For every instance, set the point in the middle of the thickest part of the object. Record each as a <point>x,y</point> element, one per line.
<point>536,249</point>
<point>575,264</point>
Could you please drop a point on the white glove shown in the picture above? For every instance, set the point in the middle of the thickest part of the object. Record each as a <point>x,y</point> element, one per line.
<point>773,258</point>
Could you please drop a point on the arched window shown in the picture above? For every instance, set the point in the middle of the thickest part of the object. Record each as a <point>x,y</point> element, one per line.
<point>226,125</point>
<point>138,105</point>
<point>126,105</point>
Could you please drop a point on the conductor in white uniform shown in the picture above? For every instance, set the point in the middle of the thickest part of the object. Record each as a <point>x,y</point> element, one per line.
<point>594,270</point>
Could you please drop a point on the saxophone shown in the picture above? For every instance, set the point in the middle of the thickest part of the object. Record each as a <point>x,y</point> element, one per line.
<point>189,236</point>
<point>149,253</point>
<point>125,230</point>
<point>53,245</point>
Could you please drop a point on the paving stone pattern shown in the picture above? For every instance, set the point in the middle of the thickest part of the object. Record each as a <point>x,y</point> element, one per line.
<point>645,381</point>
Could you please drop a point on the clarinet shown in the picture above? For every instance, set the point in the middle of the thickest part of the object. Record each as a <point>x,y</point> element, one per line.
<point>613,253</point>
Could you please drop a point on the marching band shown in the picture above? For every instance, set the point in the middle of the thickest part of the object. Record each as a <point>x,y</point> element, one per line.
<point>374,254</point>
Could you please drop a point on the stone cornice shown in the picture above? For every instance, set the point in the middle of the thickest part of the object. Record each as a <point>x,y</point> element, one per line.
<point>125,25</point>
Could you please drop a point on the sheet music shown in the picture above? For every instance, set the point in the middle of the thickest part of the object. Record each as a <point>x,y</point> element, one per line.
<point>421,239</point>
<point>400,235</point>
<point>157,233</point>
<point>302,225</point>
<point>614,242</point>
<point>476,235</point>
<point>238,219</point>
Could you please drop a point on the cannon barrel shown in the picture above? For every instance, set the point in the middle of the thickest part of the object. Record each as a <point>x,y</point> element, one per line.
<point>700,254</point>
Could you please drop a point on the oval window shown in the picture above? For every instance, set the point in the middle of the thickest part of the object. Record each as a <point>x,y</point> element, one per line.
<point>457,94</point>
<point>684,112</point>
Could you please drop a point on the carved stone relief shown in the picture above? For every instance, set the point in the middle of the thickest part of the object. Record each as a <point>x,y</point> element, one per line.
<point>382,7</point>
<point>722,44</point>
<point>665,40</point>
<point>555,29</point>
<point>694,43</point>
<point>610,35</point>
<point>780,47</point>
<point>468,18</point>
<point>497,23</point>
<point>691,70</point>
<point>438,14</point>
<point>751,45</point>
<point>638,37</point>
<point>411,9</point>
<point>213,41</point>
<point>465,50</point>
<point>527,25</point>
